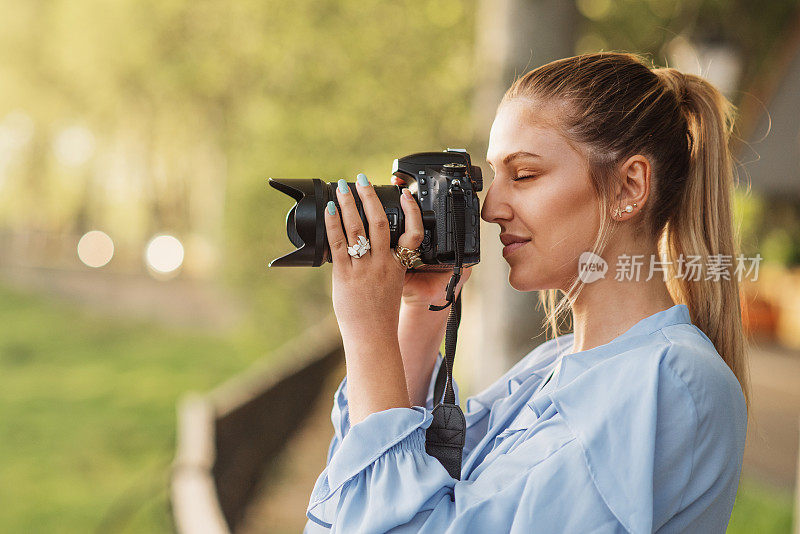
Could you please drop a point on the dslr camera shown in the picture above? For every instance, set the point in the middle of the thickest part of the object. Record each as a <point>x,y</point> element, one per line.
<point>432,178</point>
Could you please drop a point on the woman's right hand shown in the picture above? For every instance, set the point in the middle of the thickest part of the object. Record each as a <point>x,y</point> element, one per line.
<point>423,288</point>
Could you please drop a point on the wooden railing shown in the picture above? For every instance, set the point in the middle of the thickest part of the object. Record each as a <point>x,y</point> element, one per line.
<point>227,437</point>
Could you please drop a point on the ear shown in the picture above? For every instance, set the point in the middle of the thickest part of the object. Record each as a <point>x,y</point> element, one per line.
<point>634,186</point>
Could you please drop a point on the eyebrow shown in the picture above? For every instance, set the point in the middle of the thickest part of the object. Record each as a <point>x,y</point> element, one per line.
<point>520,154</point>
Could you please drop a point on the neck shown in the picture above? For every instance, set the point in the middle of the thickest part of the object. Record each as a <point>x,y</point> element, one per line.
<point>607,308</point>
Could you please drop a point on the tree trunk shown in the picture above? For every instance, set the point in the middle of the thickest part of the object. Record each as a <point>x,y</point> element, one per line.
<point>502,324</point>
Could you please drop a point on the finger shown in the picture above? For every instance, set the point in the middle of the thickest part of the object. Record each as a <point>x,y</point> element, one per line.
<point>353,225</point>
<point>336,238</point>
<point>414,230</point>
<point>376,216</point>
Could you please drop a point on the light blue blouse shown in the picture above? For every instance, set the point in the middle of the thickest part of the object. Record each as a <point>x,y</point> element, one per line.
<point>643,434</point>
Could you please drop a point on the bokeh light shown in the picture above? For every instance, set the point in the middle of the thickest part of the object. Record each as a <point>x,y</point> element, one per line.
<point>164,254</point>
<point>594,9</point>
<point>718,63</point>
<point>95,248</point>
<point>74,146</point>
<point>590,43</point>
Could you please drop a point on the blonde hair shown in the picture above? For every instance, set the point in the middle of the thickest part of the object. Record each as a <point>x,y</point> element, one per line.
<point>616,106</point>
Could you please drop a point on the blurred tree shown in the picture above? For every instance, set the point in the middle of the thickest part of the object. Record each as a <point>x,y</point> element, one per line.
<point>366,82</point>
<point>752,29</point>
<point>169,116</point>
<point>147,116</point>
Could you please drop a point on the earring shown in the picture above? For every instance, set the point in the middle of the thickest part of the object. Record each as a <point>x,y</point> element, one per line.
<point>628,209</point>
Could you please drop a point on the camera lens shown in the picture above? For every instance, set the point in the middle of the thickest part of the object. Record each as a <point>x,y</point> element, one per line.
<point>305,222</point>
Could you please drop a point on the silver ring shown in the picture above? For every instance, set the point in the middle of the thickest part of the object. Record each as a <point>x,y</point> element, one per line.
<point>360,248</point>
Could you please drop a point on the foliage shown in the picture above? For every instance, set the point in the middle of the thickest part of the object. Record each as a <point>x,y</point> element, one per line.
<point>754,29</point>
<point>193,104</point>
<point>367,82</point>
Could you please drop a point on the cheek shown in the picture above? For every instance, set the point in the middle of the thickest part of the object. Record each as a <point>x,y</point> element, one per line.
<point>566,223</point>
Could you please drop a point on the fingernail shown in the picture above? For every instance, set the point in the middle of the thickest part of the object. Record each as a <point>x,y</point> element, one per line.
<point>362,179</point>
<point>331,207</point>
<point>343,186</point>
<point>407,192</point>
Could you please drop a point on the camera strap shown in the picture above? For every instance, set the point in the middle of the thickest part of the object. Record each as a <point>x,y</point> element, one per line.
<point>445,438</point>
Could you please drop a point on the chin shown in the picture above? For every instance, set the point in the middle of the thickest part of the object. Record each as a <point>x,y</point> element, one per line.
<point>525,280</point>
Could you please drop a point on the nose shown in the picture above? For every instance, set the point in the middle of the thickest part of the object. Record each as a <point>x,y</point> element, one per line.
<point>494,206</point>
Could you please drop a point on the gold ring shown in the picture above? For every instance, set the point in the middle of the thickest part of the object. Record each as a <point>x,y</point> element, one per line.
<point>408,258</point>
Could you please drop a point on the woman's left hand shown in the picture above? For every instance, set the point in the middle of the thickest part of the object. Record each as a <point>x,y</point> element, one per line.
<point>367,290</point>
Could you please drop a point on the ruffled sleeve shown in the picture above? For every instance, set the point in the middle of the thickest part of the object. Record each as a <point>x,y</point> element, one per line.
<point>478,407</point>
<point>382,480</point>
<point>379,478</point>
<point>340,414</point>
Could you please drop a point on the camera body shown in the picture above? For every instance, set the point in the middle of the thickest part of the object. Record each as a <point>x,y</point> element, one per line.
<point>428,175</point>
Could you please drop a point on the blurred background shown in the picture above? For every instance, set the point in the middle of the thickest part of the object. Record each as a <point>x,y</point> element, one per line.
<point>136,139</point>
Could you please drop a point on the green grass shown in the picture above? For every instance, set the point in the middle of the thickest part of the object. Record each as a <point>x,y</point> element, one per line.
<point>761,509</point>
<point>87,419</point>
<point>87,414</point>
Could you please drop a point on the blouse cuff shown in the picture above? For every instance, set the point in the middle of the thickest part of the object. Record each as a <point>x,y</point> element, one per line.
<point>390,431</point>
<point>340,415</point>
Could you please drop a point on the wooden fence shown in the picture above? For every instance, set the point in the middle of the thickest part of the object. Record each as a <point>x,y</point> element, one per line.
<point>228,437</point>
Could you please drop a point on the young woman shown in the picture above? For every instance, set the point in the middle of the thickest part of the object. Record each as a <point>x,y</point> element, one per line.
<point>633,423</point>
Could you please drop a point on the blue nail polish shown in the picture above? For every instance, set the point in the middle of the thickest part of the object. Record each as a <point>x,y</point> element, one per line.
<point>343,186</point>
<point>362,179</point>
<point>331,207</point>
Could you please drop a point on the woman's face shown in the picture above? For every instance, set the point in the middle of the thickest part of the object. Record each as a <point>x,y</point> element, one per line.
<point>556,209</point>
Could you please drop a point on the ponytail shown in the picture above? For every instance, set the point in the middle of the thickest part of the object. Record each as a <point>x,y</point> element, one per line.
<point>703,223</point>
<point>619,106</point>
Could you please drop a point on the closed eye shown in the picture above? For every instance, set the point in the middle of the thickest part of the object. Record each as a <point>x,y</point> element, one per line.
<point>518,178</point>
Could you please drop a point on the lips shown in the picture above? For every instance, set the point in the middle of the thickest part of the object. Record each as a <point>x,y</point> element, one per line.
<point>508,249</point>
<point>509,239</point>
<point>512,242</point>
